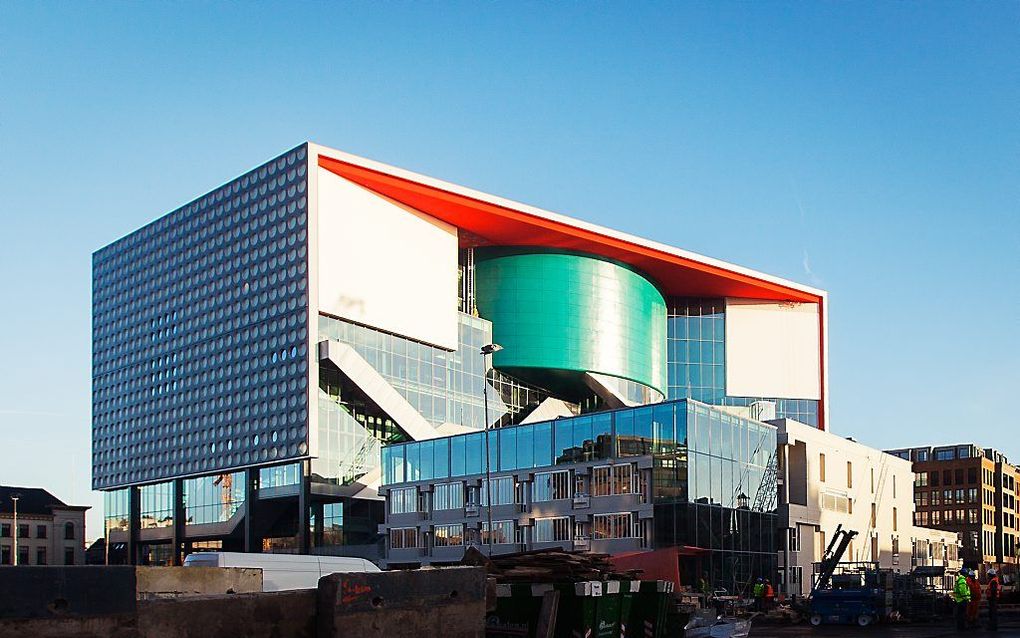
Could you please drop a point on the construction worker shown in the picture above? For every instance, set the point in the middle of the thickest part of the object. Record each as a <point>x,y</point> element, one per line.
<point>759,592</point>
<point>994,589</point>
<point>961,596</point>
<point>975,599</point>
<point>768,595</point>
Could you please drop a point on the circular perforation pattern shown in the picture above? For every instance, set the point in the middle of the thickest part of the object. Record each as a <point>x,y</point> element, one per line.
<point>200,337</point>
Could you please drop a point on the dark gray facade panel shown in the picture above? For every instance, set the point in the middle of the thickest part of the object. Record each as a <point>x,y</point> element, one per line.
<point>200,334</point>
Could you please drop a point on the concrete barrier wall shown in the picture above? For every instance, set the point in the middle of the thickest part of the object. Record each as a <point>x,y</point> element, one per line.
<point>57,592</point>
<point>446,602</point>
<point>100,602</point>
<point>172,582</point>
<point>286,614</point>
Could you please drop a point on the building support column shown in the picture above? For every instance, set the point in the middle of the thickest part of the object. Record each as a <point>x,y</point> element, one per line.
<point>252,539</point>
<point>318,535</point>
<point>304,502</point>
<point>134,524</point>
<point>180,520</point>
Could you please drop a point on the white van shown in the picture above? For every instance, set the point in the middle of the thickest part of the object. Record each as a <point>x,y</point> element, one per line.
<point>283,571</point>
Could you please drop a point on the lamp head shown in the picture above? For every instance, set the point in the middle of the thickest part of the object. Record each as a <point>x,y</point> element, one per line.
<point>490,348</point>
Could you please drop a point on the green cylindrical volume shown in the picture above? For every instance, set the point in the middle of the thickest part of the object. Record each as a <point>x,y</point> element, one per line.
<point>559,315</point>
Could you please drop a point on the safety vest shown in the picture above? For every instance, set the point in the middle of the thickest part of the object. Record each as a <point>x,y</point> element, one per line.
<point>993,588</point>
<point>961,593</point>
<point>759,589</point>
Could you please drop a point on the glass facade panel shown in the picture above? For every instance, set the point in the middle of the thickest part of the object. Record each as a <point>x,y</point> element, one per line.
<point>157,505</point>
<point>696,347</point>
<point>213,499</point>
<point>280,475</point>
<point>444,386</point>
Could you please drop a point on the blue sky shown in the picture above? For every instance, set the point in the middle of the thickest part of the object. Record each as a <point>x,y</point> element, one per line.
<point>872,149</point>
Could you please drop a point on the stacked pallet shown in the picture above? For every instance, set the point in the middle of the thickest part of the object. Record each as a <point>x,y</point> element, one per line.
<point>548,566</point>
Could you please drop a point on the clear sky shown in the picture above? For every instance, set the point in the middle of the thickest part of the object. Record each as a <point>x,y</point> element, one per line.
<point>871,149</point>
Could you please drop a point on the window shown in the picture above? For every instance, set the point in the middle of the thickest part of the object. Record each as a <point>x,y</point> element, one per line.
<point>40,556</point>
<point>894,522</point>
<point>972,516</point>
<point>874,515</point>
<point>611,479</point>
<point>5,530</point>
<point>23,555</point>
<point>403,537</point>
<point>921,480</point>
<point>958,476</point>
<point>502,491</point>
<point>821,468</point>
<point>40,532</point>
<point>503,532</point>
<point>448,496</point>
<point>448,535</point>
<point>403,500</point>
<point>69,556</point>
<point>922,455</point>
<point>793,539</point>
<point>972,495</point>
<point>821,547</point>
<point>548,530</point>
<point>612,526</point>
<point>551,486</point>
<point>872,480</point>
<point>5,555</point>
<point>934,479</point>
<point>874,548</point>
<point>849,474</point>
<point>69,532</point>
<point>972,475</point>
<point>835,502</point>
<point>894,486</point>
<point>22,530</point>
<point>895,545</point>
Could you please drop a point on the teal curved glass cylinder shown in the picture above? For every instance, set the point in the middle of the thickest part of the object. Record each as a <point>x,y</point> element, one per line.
<point>559,315</point>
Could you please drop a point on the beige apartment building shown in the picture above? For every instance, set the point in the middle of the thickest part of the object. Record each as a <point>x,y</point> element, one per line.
<point>825,481</point>
<point>47,530</point>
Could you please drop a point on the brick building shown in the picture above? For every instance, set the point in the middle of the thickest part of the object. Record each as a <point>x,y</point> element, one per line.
<point>970,490</point>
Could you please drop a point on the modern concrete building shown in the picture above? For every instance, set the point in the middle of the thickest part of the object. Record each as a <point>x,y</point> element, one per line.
<point>37,528</point>
<point>826,481</point>
<point>255,348</point>
<point>972,491</point>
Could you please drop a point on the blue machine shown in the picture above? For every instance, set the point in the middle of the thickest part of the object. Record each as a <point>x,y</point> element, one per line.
<point>853,596</point>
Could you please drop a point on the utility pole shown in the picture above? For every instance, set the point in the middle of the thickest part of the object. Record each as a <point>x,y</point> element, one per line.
<point>486,351</point>
<point>14,558</point>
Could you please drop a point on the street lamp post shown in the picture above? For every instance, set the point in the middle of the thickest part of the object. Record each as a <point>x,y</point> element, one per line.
<point>14,558</point>
<point>486,351</point>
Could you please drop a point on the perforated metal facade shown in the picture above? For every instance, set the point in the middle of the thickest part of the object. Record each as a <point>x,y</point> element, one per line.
<point>200,333</point>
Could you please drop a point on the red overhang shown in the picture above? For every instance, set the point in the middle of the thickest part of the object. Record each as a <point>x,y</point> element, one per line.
<point>504,226</point>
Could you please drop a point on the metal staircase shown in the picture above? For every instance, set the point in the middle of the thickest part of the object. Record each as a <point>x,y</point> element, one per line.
<point>883,472</point>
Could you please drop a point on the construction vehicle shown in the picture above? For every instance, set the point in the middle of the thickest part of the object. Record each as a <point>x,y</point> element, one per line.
<point>848,593</point>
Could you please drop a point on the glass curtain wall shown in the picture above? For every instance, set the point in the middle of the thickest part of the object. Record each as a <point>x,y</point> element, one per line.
<point>157,505</point>
<point>696,350</point>
<point>213,499</point>
<point>443,386</point>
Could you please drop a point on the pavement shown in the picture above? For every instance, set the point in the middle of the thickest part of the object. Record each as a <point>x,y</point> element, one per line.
<point>931,630</point>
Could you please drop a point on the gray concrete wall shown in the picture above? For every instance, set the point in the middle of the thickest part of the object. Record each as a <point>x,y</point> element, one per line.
<point>434,602</point>
<point>169,582</point>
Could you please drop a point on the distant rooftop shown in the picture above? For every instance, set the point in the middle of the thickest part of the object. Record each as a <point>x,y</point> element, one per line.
<point>31,500</point>
<point>948,453</point>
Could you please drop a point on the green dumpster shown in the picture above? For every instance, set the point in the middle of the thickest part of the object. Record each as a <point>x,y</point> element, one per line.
<point>648,608</point>
<point>517,610</point>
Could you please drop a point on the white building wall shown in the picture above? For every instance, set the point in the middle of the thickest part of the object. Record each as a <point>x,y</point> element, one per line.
<point>813,503</point>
